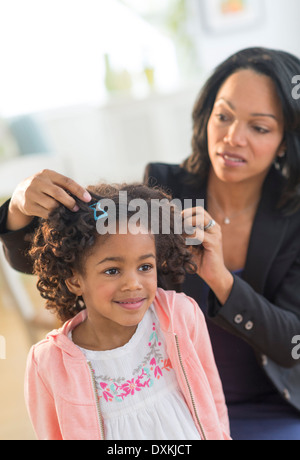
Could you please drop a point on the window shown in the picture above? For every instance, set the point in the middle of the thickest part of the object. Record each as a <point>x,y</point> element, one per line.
<point>53,52</point>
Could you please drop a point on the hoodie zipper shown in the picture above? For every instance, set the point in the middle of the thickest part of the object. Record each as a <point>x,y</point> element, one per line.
<point>100,419</point>
<point>189,388</point>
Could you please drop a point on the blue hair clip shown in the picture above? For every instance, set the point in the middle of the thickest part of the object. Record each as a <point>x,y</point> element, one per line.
<point>97,208</point>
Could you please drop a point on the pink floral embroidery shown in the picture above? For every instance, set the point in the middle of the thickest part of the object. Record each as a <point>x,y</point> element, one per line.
<point>148,371</point>
<point>157,369</point>
<point>106,394</point>
<point>131,386</point>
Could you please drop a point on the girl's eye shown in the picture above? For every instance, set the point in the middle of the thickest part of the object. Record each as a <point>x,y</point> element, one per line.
<point>146,267</point>
<point>112,271</point>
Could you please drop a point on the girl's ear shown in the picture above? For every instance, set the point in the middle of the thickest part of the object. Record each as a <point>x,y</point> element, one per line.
<point>74,285</point>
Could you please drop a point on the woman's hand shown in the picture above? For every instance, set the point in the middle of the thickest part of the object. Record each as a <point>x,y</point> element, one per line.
<point>39,195</point>
<point>209,255</point>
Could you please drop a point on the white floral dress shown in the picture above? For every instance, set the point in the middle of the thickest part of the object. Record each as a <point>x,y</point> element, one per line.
<point>138,390</point>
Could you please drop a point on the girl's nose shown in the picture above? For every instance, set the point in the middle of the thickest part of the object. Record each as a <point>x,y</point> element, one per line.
<point>131,283</point>
<point>236,135</point>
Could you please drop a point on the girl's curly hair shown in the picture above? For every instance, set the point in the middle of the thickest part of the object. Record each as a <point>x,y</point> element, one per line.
<point>62,243</point>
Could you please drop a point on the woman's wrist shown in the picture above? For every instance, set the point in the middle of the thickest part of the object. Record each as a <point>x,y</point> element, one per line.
<point>222,285</point>
<point>16,219</point>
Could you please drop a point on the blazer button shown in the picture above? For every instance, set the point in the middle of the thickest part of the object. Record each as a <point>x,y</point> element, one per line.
<point>238,319</point>
<point>264,360</point>
<point>286,394</point>
<point>249,326</point>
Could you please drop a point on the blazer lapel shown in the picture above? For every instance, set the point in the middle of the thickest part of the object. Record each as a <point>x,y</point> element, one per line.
<point>268,229</point>
<point>267,234</point>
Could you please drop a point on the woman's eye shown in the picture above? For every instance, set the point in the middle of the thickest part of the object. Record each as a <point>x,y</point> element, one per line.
<point>261,130</point>
<point>221,117</point>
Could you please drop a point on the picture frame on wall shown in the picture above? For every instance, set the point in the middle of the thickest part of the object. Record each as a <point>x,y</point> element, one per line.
<point>221,16</point>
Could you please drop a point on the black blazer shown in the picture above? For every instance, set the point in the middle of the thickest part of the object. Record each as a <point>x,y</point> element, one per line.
<point>264,306</point>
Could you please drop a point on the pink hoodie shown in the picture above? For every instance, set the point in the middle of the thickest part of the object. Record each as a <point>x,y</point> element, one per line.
<point>59,385</point>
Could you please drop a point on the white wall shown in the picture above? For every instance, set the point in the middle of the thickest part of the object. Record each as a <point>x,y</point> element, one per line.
<point>279,28</point>
<point>115,142</point>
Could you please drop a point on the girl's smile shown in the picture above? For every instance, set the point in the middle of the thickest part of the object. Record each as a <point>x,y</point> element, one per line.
<point>131,304</point>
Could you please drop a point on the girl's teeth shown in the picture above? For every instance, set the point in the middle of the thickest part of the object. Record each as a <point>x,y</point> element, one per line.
<point>135,301</point>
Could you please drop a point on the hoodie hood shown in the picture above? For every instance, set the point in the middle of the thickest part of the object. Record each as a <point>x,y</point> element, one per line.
<point>59,337</point>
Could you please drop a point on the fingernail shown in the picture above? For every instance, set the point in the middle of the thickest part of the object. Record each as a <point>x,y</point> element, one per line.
<point>76,208</point>
<point>87,196</point>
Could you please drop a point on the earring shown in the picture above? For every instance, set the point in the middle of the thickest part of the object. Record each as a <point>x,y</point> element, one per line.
<point>278,161</point>
<point>282,154</point>
<point>79,304</point>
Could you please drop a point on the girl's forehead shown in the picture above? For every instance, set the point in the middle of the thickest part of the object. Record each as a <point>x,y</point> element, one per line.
<point>125,244</point>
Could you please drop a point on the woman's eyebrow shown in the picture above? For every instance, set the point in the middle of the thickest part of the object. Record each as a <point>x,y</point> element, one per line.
<point>270,115</point>
<point>222,99</point>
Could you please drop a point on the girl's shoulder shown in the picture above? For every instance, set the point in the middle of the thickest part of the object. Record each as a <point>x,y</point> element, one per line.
<point>178,307</point>
<point>51,349</point>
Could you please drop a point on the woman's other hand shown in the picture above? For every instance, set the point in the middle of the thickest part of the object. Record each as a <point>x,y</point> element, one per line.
<point>209,255</point>
<point>39,194</point>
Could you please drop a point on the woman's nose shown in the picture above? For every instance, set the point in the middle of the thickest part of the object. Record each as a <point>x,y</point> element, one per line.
<point>236,135</point>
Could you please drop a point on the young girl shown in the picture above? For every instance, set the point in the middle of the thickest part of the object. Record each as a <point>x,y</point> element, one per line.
<point>132,361</point>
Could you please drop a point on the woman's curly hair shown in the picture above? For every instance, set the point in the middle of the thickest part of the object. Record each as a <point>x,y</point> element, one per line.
<point>62,243</point>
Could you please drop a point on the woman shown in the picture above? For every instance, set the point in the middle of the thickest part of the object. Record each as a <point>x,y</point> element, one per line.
<point>246,165</point>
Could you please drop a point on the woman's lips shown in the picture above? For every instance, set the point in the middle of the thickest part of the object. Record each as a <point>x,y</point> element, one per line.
<point>131,304</point>
<point>232,160</point>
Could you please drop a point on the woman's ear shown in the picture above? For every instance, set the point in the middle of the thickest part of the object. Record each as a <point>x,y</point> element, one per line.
<point>282,150</point>
<point>74,285</point>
